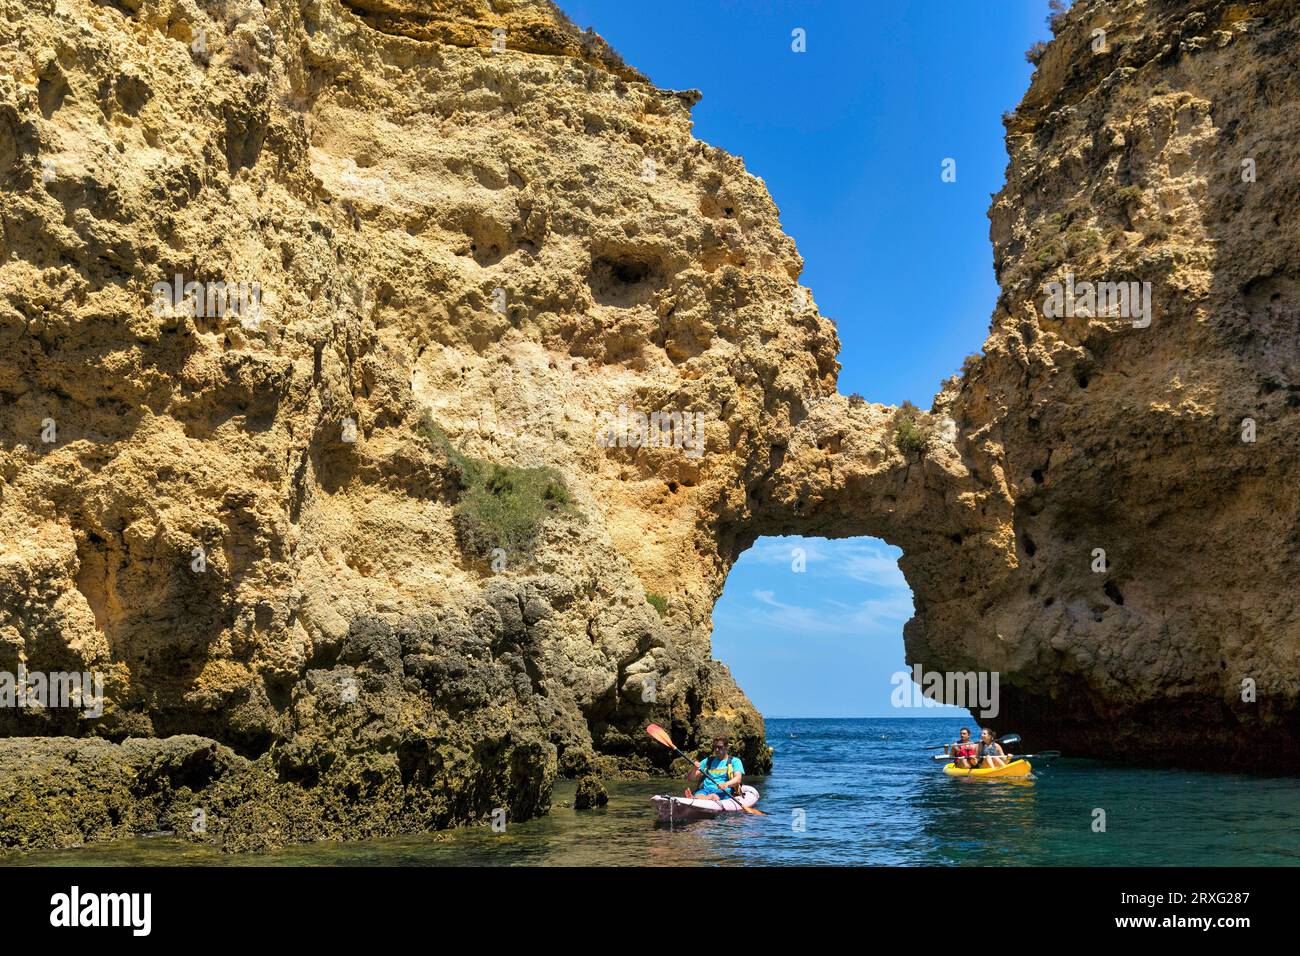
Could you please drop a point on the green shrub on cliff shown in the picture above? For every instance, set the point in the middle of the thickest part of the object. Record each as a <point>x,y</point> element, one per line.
<point>504,507</point>
<point>499,506</point>
<point>432,432</point>
<point>1077,241</point>
<point>1126,195</point>
<point>912,431</point>
<point>658,603</point>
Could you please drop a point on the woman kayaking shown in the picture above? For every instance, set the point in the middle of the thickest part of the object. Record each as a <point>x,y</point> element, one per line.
<point>705,806</point>
<point>991,753</point>
<point>720,772</point>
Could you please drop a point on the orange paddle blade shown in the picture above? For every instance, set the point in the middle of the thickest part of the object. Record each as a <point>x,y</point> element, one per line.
<point>661,735</point>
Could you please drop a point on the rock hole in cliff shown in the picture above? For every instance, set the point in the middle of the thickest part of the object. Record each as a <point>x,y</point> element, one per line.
<point>132,94</point>
<point>813,627</point>
<point>1028,543</point>
<point>624,280</point>
<point>51,90</point>
<point>1113,592</point>
<point>245,135</point>
<point>489,234</point>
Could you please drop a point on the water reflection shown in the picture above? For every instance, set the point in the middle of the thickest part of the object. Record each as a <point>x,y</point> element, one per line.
<point>979,820</point>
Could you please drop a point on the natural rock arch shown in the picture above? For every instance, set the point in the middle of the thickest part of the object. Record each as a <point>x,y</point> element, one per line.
<point>350,665</point>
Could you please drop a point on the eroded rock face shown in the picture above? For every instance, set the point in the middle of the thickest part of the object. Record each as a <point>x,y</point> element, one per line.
<point>237,517</point>
<point>1159,155</point>
<point>244,522</point>
<point>525,26</point>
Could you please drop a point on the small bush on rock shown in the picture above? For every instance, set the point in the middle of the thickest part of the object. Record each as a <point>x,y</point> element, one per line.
<point>500,506</point>
<point>912,430</point>
<point>658,603</point>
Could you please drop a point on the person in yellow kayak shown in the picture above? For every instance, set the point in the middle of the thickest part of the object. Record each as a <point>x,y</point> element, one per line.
<point>991,753</point>
<point>965,752</point>
<point>719,771</point>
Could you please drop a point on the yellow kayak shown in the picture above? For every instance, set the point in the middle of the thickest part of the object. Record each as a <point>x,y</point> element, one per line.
<point>1017,768</point>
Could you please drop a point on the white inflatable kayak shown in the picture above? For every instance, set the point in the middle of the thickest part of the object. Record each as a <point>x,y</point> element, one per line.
<point>682,809</point>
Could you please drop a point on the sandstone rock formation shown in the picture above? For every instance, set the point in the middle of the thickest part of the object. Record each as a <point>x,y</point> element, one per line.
<point>1152,146</point>
<point>243,520</point>
<point>477,255</point>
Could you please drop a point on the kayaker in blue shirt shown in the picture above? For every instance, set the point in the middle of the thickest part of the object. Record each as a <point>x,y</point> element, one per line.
<point>719,771</point>
<point>991,752</point>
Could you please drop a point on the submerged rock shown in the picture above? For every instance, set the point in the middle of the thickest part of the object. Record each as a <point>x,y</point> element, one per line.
<point>591,793</point>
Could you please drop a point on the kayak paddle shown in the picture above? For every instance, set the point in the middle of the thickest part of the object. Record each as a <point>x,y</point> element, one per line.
<point>661,735</point>
<point>1009,739</point>
<point>1045,755</point>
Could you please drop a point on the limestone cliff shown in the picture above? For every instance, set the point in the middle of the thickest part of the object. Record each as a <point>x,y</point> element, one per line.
<point>358,555</point>
<point>272,526</point>
<point>1154,146</point>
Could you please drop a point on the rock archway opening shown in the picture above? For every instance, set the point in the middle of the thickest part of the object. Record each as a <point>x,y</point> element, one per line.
<point>812,626</point>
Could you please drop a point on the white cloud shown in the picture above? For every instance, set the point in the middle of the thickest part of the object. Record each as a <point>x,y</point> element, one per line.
<point>895,606</point>
<point>780,551</point>
<point>872,566</point>
<point>870,618</point>
<point>836,570</point>
<point>856,559</point>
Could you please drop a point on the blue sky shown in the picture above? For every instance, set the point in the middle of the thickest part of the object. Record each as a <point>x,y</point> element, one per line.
<point>850,138</point>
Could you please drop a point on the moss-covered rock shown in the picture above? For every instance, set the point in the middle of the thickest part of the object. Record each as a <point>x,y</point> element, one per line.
<point>591,793</point>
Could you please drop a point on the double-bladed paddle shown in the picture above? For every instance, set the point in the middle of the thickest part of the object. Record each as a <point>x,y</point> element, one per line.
<point>1045,755</point>
<point>1008,739</point>
<point>661,735</point>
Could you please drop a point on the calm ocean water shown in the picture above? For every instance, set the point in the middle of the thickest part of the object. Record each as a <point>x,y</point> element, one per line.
<point>869,795</point>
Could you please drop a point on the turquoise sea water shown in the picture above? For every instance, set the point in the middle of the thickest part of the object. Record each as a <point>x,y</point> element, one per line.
<point>869,795</point>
